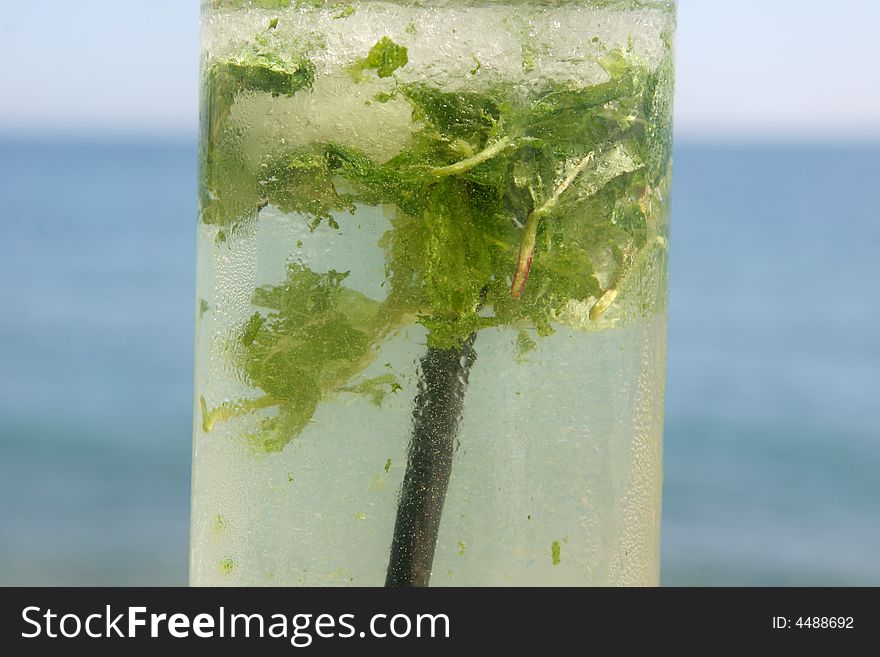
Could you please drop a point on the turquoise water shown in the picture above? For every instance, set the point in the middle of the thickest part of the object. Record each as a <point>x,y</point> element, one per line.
<point>773,425</point>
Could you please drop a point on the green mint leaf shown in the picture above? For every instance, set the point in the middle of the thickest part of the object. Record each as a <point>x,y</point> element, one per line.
<point>384,58</point>
<point>524,345</point>
<point>251,329</point>
<point>311,338</point>
<point>466,116</point>
<point>259,71</point>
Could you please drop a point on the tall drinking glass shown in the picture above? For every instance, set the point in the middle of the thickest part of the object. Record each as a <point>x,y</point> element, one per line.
<point>431,313</point>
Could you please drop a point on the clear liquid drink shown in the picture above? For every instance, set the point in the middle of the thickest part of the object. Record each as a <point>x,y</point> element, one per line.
<point>432,294</point>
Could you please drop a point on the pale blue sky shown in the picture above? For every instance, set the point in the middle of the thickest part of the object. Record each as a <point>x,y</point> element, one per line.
<point>746,68</point>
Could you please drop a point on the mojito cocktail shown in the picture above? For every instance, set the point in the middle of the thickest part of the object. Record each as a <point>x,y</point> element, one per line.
<point>431,315</point>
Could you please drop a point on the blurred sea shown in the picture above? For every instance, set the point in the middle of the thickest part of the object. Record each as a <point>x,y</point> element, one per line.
<point>773,421</point>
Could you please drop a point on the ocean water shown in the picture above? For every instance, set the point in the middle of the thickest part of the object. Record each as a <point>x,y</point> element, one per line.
<point>772,430</point>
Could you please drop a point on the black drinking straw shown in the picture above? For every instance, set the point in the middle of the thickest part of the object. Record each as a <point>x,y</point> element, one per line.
<point>436,414</point>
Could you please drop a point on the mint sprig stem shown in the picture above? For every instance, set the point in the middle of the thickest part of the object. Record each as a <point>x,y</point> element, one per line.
<point>530,230</point>
<point>469,163</point>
